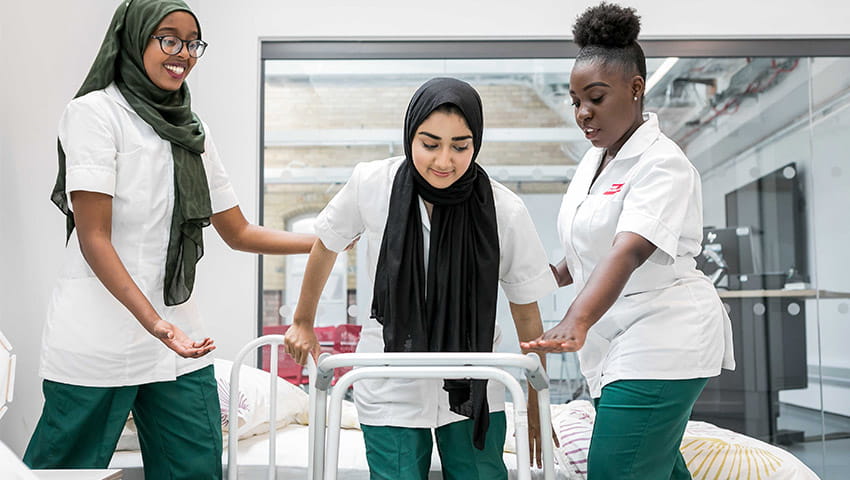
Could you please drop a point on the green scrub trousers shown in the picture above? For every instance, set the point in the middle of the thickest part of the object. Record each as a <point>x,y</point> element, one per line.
<point>401,453</point>
<point>178,422</point>
<point>639,427</point>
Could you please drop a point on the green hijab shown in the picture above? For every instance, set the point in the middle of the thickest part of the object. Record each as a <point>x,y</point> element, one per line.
<point>120,60</point>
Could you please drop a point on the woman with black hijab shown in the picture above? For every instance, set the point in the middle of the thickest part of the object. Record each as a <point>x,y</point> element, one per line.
<point>441,237</point>
<point>139,177</point>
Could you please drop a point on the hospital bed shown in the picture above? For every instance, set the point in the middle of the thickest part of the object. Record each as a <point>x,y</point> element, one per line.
<point>710,452</point>
<point>291,451</point>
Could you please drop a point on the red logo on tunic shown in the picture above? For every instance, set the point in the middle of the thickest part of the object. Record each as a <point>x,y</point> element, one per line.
<point>615,188</point>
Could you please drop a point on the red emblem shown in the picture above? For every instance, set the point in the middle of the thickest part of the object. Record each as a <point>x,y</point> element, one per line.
<point>615,188</point>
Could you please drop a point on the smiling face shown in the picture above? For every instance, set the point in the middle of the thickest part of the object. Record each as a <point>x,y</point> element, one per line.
<point>442,148</point>
<point>606,110</point>
<point>169,71</point>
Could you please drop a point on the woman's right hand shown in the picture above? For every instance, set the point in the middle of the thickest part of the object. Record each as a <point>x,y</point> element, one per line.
<point>300,341</point>
<point>567,336</point>
<point>179,342</point>
<point>300,338</point>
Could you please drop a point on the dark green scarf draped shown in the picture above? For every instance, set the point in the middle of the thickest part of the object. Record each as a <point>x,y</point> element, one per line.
<point>120,59</point>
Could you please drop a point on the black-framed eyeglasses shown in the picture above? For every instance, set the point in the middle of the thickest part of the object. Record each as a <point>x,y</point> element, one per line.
<point>172,45</point>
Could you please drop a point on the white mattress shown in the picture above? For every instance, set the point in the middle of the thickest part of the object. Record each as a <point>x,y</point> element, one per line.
<point>711,452</point>
<point>292,443</point>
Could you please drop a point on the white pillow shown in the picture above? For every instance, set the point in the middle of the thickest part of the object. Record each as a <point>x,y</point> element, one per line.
<point>254,398</point>
<point>573,424</point>
<point>253,411</point>
<point>713,452</point>
<point>710,452</point>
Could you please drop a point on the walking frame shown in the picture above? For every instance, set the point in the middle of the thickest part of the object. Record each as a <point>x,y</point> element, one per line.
<point>325,419</point>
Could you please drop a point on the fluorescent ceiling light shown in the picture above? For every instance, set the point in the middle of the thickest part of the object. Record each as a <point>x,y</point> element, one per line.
<point>658,74</point>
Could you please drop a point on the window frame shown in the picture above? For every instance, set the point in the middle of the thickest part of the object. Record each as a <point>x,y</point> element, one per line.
<point>271,48</point>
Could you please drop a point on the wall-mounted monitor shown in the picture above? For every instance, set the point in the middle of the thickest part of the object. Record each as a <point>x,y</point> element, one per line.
<point>773,207</point>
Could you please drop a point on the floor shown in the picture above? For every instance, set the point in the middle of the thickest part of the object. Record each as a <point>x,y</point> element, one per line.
<point>826,449</point>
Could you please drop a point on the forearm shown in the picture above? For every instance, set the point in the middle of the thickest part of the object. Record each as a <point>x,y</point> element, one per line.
<point>528,324</point>
<point>101,256</point>
<point>241,235</point>
<point>319,266</point>
<point>268,241</point>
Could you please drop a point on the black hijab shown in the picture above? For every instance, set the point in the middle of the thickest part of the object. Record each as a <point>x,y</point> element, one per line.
<point>458,313</point>
<point>120,60</point>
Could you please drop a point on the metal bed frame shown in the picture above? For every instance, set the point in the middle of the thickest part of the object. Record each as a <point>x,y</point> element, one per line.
<point>325,419</point>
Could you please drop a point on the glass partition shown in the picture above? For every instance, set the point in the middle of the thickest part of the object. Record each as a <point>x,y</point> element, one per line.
<point>828,122</point>
<point>767,134</point>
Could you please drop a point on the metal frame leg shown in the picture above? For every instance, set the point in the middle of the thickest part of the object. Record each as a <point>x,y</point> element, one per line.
<point>423,365</point>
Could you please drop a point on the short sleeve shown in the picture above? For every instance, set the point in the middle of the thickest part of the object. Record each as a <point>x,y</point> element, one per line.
<point>88,140</point>
<point>340,221</point>
<point>524,272</point>
<point>222,194</point>
<point>655,205</point>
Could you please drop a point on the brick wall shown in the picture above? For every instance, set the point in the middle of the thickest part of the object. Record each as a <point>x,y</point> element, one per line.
<point>299,105</point>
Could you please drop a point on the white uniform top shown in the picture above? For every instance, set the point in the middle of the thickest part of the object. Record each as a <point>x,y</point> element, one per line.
<point>669,322</point>
<point>361,207</point>
<point>90,339</point>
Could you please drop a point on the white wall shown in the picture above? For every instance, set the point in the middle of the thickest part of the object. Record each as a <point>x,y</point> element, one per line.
<point>60,39</point>
<point>37,81</point>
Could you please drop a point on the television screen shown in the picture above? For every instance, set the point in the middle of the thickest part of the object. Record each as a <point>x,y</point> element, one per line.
<point>773,208</point>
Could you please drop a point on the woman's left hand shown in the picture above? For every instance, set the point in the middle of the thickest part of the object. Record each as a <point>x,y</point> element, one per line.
<point>535,437</point>
<point>174,338</point>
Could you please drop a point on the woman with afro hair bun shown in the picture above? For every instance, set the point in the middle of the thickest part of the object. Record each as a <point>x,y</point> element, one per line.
<point>649,328</point>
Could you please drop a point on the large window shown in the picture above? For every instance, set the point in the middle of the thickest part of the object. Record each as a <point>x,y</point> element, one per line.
<point>764,122</point>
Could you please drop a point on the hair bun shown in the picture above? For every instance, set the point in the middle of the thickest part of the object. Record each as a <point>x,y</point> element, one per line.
<point>607,25</point>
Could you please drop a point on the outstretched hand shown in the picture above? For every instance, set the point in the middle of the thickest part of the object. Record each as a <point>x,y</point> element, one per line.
<point>174,338</point>
<point>567,336</point>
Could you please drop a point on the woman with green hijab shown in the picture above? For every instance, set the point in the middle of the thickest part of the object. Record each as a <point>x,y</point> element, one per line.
<point>139,178</point>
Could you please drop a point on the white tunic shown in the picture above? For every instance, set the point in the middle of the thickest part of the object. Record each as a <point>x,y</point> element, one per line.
<point>361,207</point>
<point>669,322</point>
<point>90,339</point>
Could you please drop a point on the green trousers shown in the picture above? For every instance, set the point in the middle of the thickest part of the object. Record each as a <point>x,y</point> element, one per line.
<point>178,422</point>
<point>639,428</point>
<point>400,453</point>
